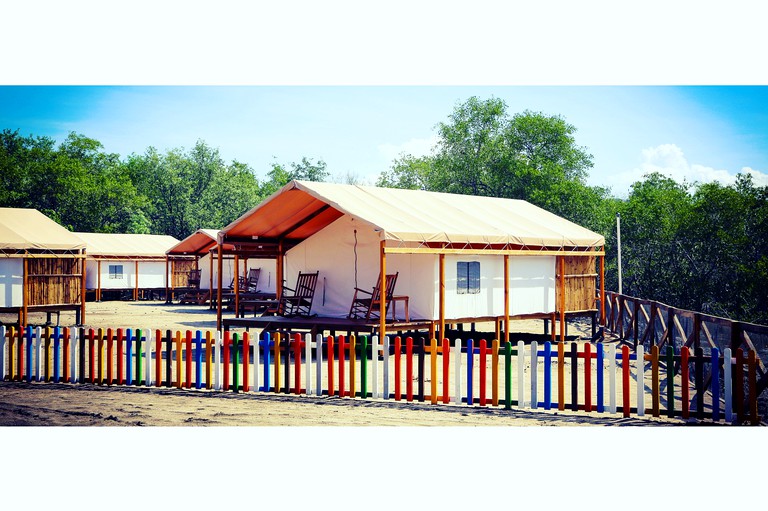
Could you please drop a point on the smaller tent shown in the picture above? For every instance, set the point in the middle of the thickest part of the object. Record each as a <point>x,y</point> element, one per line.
<point>123,264</point>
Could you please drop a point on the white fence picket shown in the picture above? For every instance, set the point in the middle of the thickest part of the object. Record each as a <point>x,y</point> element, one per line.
<point>612,378</point>
<point>457,372</point>
<point>216,361</point>
<point>147,354</point>
<point>640,380</point>
<point>375,365</point>
<point>520,374</point>
<point>728,393</point>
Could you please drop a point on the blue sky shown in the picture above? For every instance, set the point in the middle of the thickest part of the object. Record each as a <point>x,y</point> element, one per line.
<point>655,86</point>
<point>699,133</point>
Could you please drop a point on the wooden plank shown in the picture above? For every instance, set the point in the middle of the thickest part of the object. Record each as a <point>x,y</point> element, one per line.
<point>475,251</point>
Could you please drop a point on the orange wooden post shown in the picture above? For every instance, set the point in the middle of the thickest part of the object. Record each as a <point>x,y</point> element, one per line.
<point>562,298</point>
<point>506,299</point>
<point>98,280</point>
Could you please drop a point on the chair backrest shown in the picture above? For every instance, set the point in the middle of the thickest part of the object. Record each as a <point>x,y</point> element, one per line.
<point>305,284</point>
<point>193,278</point>
<point>391,281</point>
<point>253,277</point>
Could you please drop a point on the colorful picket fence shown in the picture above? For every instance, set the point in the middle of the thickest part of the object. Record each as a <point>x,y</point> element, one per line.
<point>576,376</point>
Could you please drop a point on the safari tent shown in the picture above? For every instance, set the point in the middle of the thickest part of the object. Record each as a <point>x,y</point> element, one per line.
<point>459,258</point>
<point>199,251</point>
<point>41,265</point>
<point>125,264</point>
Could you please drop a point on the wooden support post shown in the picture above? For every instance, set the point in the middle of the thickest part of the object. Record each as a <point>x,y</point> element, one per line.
<point>602,290</point>
<point>383,290</point>
<point>24,294</point>
<point>210,285</point>
<point>136,281</point>
<point>98,280</point>
<point>279,270</point>
<point>441,264</point>
<point>82,290</point>
<point>506,298</point>
<point>220,268</point>
<point>236,282</point>
<point>167,281</point>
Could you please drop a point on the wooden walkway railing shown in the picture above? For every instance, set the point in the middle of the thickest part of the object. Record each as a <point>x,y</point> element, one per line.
<point>649,323</point>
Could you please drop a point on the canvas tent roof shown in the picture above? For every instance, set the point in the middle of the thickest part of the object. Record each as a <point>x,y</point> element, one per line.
<point>197,243</point>
<point>126,245</point>
<point>300,209</point>
<point>29,229</point>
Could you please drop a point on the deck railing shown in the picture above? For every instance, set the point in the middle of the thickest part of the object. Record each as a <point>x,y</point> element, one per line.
<point>579,377</point>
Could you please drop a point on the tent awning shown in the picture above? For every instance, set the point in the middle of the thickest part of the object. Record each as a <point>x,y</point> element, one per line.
<point>28,229</point>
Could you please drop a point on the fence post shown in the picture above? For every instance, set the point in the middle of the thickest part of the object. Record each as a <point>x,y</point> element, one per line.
<point>329,354</point>
<point>342,359</point>
<point>625,380</point>
<point>728,382</point>
<point>2,352</point>
<point>640,380</point>
<point>534,374</point>
<point>547,375</point>
<point>318,364</point>
<point>481,379</point>
<point>307,362</point>
<point>738,385</point>
<point>217,361</point>
<point>209,361</point>
<point>433,368</point>
<point>508,374</point>
<point>56,357</point>
<point>698,366</point>
<point>574,377</point>
<point>655,379</point>
<point>296,362</point>
<point>266,344</point>
<point>671,381</point>
<point>168,358</point>
<point>364,366</point>
<point>520,374</point>
<point>159,359</point>
<point>29,353</point>
<point>457,372</point>
<point>409,369</point>
<point>446,370</point>
<point>128,356</point>
<point>398,348</point>
<point>612,378</point>
<point>561,376</point>
<point>199,362</point>
<point>73,355</point>
<point>188,359</point>
<point>587,377</point>
<point>376,340</point>
<point>752,387</point>
<point>139,333</point>
<point>38,356</point>
<point>685,382</point>
<point>148,345</point>
<point>600,376</point>
<point>715,383</point>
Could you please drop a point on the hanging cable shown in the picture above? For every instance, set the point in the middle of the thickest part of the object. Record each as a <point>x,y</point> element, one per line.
<point>355,250</point>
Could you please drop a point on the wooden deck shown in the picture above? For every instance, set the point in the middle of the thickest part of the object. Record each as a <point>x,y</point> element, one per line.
<point>320,324</point>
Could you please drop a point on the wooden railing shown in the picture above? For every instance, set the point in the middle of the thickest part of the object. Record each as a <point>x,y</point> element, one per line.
<point>650,323</point>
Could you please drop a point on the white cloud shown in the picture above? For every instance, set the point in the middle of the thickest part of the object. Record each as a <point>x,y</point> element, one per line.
<point>669,160</point>
<point>414,146</point>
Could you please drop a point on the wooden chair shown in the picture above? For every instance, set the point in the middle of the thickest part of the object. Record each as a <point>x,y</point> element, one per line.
<point>252,282</point>
<point>297,301</point>
<point>193,293</point>
<point>193,279</point>
<point>366,304</point>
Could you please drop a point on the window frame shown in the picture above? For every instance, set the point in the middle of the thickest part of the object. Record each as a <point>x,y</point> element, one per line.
<point>468,277</point>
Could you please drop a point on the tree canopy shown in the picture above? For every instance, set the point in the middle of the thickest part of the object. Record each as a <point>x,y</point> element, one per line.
<point>697,246</point>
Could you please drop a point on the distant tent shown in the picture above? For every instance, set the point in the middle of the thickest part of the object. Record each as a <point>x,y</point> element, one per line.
<point>41,265</point>
<point>132,263</point>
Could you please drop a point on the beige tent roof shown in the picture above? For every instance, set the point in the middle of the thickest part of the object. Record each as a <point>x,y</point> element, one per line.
<point>126,245</point>
<point>28,229</point>
<point>199,242</point>
<point>302,208</point>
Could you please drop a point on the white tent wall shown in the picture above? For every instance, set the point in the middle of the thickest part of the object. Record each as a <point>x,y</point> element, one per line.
<point>332,252</point>
<point>266,278</point>
<point>151,274</point>
<point>531,287</point>
<point>11,282</point>
<point>418,279</point>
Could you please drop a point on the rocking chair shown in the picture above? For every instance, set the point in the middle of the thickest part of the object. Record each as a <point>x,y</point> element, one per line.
<point>366,304</point>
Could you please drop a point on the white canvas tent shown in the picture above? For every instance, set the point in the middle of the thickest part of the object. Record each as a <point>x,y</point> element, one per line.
<point>353,234</point>
<point>125,262</point>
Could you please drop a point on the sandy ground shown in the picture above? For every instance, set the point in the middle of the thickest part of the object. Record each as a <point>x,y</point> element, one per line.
<point>89,405</point>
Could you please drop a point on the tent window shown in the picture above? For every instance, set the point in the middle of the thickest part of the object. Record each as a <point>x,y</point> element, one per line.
<point>467,277</point>
<point>115,271</point>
